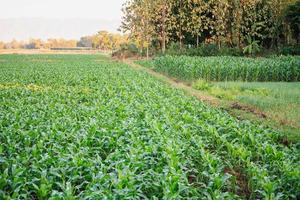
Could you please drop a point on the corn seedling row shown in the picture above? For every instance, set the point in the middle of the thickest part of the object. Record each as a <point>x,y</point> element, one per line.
<point>85,127</point>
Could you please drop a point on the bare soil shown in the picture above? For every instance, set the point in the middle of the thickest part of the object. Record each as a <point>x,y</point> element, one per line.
<point>239,106</point>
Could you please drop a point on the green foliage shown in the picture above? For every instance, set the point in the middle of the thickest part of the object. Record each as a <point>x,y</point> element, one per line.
<point>293,18</point>
<point>252,48</point>
<point>227,51</point>
<point>213,50</point>
<point>127,51</point>
<point>202,85</point>
<point>230,68</point>
<point>145,63</point>
<point>290,50</point>
<point>85,127</point>
<point>229,93</point>
<point>202,50</point>
<point>174,49</point>
<point>130,47</point>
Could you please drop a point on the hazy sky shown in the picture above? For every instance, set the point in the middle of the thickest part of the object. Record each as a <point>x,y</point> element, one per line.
<point>22,19</point>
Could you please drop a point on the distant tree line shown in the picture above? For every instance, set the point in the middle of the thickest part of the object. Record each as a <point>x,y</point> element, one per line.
<point>103,40</point>
<point>38,44</point>
<point>231,23</point>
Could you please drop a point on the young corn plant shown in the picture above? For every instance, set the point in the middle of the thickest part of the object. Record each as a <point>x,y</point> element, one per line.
<point>86,127</point>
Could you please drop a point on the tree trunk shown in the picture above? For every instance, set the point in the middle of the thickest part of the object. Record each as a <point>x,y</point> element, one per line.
<point>239,41</point>
<point>164,30</point>
<point>163,43</point>
<point>288,35</point>
<point>180,43</point>
<point>180,33</point>
<point>231,37</point>
<point>147,52</point>
<point>197,40</point>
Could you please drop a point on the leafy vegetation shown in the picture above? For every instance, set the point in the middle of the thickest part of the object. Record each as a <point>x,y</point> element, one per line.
<point>252,48</point>
<point>203,50</point>
<point>284,68</point>
<point>83,126</point>
<point>290,50</point>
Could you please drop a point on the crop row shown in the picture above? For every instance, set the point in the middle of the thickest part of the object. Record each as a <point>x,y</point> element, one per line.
<point>285,68</point>
<point>84,127</point>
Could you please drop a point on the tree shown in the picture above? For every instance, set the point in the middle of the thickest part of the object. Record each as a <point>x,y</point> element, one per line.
<point>219,19</point>
<point>14,44</point>
<point>138,20</point>
<point>146,20</point>
<point>34,44</point>
<point>102,40</point>
<point>86,41</point>
<point>148,26</point>
<point>162,20</point>
<point>197,21</point>
<point>2,45</point>
<point>179,19</point>
<point>60,43</point>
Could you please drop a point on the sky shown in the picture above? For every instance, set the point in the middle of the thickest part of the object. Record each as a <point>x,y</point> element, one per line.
<point>70,19</point>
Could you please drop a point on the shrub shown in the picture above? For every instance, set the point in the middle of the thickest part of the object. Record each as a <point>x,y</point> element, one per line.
<point>126,51</point>
<point>203,50</point>
<point>252,48</point>
<point>226,51</point>
<point>174,49</point>
<point>290,50</point>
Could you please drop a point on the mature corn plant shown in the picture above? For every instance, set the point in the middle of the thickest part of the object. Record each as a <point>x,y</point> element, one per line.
<point>284,68</point>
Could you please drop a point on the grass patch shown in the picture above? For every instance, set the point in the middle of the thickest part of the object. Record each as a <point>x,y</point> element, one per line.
<point>145,63</point>
<point>280,101</point>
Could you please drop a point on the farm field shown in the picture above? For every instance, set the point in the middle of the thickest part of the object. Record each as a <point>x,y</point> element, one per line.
<point>87,127</point>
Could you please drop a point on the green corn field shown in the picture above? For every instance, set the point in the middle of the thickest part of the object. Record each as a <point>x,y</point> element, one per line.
<point>86,127</point>
<point>222,68</point>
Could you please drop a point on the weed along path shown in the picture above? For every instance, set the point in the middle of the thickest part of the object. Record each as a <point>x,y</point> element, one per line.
<point>87,127</point>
